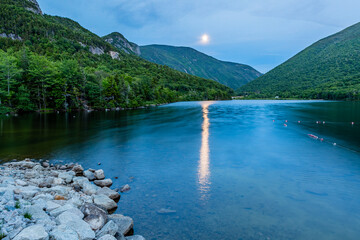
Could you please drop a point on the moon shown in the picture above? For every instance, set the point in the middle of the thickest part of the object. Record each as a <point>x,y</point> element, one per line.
<point>205,39</point>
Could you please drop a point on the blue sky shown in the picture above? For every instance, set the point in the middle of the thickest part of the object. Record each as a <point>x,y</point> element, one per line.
<point>261,33</point>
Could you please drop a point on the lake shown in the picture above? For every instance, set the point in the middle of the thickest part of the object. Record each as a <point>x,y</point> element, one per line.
<point>225,170</point>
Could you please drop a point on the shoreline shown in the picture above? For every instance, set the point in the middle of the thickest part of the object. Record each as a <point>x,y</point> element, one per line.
<point>42,201</point>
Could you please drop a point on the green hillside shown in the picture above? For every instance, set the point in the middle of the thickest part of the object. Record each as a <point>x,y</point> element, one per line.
<point>190,61</point>
<point>49,62</point>
<point>328,69</point>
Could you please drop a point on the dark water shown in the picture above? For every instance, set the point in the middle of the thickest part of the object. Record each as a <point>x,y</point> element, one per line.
<point>226,168</point>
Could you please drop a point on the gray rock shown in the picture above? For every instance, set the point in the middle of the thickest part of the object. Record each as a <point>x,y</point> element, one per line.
<point>45,164</point>
<point>105,202</point>
<point>110,228</point>
<point>58,181</point>
<point>124,223</point>
<point>103,183</point>
<point>110,193</point>
<point>90,175</point>
<point>69,215</point>
<point>99,174</point>
<point>35,232</point>
<point>56,212</point>
<point>94,216</point>
<point>50,205</point>
<point>125,188</point>
<point>21,182</point>
<point>107,237</point>
<point>67,176</point>
<point>28,192</point>
<point>37,213</point>
<point>135,237</point>
<point>83,229</point>
<point>62,232</point>
<point>78,169</point>
<point>96,50</point>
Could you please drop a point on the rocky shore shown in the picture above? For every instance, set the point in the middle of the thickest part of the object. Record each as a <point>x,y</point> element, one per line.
<point>42,201</point>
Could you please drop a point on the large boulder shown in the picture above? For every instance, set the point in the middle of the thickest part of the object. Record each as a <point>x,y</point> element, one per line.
<point>103,183</point>
<point>94,216</point>
<point>73,214</point>
<point>105,202</point>
<point>82,228</point>
<point>34,232</point>
<point>62,232</point>
<point>110,193</point>
<point>124,223</point>
<point>110,228</point>
<point>57,211</point>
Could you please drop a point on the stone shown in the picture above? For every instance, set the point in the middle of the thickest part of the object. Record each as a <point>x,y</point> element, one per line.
<point>63,233</point>
<point>105,202</point>
<point>78,169</point>
<point>89,188</point>
<point>99,174</point>
<point>135,237</point>
<point>103,183</point>
<point>107,237</point>
<point>67,176</point>
<point>56,212</point>
<point>83,229</point>
<point>89,175</point>
<point>37,213</point>
<point>114,55</point>
<point>125,188</point>
<point>110,228</point>
<point>58,181</point>
<point>50,205</point>
<point>94,216</point>
<point>110,193</point>
<point>21,182</point>
<point>124,223</point>
<point>69,215</point>
<point>45,164</point>
<point>28,192</point>
<point>58,197</point>
<point>35,232</point>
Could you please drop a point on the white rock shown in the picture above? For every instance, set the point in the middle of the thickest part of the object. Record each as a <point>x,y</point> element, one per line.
<point>62,232</point>
<point>125,224</point>
<point>67,176</point>
<point>107,237</point>
<point>58,181</point>
<point>103,183</point>
<point>21,182</point>
<point>108,192</point>
<point>35,232</point>
<point>69,215</point>
<point>105,202</point>
<point>99,174</point>
<point>110,228</point>
<point>125,188</point>
<point>82,228</point>
<point>89,175</point>
<point>56,212</point>
<point>50,205</point>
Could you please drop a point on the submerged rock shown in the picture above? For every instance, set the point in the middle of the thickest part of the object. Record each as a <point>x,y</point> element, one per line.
<point>125,188</point>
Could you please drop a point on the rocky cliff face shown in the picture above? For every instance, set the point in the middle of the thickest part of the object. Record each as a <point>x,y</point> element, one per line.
<point>35,7</point>
<point>120,42</point>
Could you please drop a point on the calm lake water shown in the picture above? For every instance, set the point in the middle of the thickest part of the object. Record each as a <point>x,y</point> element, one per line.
<point>230,170</point>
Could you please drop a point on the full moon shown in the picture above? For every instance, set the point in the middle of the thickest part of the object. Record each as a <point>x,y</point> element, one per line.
<point>205,39</point>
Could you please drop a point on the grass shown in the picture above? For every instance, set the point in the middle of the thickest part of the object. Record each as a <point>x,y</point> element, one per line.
<point>17,205</point>
<point>27,215</point>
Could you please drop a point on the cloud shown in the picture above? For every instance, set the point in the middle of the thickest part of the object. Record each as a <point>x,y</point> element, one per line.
<point>247,31</point>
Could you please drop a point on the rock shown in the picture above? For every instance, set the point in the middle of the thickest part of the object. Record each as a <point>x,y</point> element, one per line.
<point>90,175</point>
<point>103,183</point>
<point>114,55</point>
<point>58,197</point>
<point>86,186</point>
<point>124,223</point>
<point>37,213</point>
<point>110,228</point>
<point>21,182</point>
<point>63,233</point>
<point>45,164</point>
<point>50,205</point>
<point>105,202</point>
<point>135,237</point>
<point>99,174</point>
<point>28,192</point>
<point>107,237</point>
<point>35,232</point>
<point>69,215</point>
<point>125,188</point>
<point>83,229</point>
<point>96,50</point>
<point>67,176</point>
<point>78,169</point>
<point>110,193</point>
<point>94,216</point>
<point>59,190</point>
<point>58,181</point>
<point>56,212</point>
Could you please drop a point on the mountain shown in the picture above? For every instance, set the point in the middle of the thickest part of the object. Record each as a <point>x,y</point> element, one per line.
<point>49,62</point>
<point>328,69</point>
<point>120,42</point>
<point>188,60</point>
